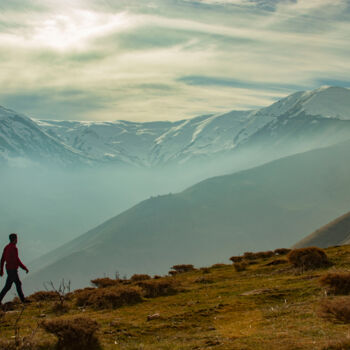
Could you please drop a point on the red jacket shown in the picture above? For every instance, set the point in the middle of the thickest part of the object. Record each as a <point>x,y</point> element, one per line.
<point>10,256</point>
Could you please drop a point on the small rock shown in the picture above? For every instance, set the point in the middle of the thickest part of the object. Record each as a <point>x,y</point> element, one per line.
<point>153,317</point>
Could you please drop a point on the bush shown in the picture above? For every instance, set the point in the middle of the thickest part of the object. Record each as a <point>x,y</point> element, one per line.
<point>308,258</point>
<point>137,278</point>
<point>205,270</point>
<point>240,266</point>
<point>236,259</point>
<point>249,256</point>
<point>336,282</point>
<point>104,282</point>
<point>173,273</point>
<point>183,268</point>
<point>44,296</point>
<point>282,251</point>
<point>107,298</point>
<point>337,309</point>
<point>157,288</point>
<point>276,262</point>
<point>264,255</point>
<point>77,333</point>
<point>218,266</point>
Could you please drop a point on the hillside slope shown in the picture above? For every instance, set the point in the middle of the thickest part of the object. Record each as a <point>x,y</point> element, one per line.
<point>267,306</point>
<point>336,232</point>
<point>261,208</point>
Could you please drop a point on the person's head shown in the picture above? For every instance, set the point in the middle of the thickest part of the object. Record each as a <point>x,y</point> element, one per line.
<point>13,237</point>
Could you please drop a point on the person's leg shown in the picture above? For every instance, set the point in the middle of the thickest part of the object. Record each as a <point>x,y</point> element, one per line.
<point>7,287</point>
<point>18,284</point>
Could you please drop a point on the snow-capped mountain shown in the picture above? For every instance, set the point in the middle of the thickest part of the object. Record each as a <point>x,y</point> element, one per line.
<point>299,122</point>
<point>23,139</point>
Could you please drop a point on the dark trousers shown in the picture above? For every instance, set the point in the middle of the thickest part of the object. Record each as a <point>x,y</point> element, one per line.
<point>12,277</point>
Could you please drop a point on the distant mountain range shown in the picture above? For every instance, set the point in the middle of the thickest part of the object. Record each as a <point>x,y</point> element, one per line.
<point>263,208</point>
<point>336,232</point>
<point>299,122</point>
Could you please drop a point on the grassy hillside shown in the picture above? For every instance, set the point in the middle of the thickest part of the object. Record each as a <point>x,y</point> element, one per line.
<point>336,232</point>
<point>266,207</point>
<point>270,305</point>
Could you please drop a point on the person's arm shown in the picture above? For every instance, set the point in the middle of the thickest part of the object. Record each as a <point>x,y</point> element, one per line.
<point>2,263</point>
<point>20,262</point>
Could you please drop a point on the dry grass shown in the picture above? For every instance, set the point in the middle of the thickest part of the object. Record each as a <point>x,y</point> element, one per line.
<point>240,266</point>
<point>104,282</point>
<point>336,282</point>
<point>266,307</point>
<point>157,288</point>
<point>308,258</point>
<point>337,309</point>
<point>109,298</point>
<point>44,296</point>
<point>183,268</point>
<point>139,277</point>
<point>78,333</point>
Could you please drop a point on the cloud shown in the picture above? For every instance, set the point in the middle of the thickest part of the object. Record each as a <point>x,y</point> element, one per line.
<point>166,59</point>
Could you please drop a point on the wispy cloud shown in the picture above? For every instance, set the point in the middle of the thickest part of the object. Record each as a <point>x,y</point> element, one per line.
<point>166,59</point>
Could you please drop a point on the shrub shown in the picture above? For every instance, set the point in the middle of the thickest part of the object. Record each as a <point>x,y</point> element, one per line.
<point>137,278</point>
<point>105,298</point>
<point>240,266</point>
<point>282,251</point>
<point>204,280</point>
<point>183,268</point>
<point>44,296</point>
<point>104,282</point>
<point>249,256</point>
<point>308,258</point>
<point>173,273</point>
<point>337,309</point>
<point>156,277</point>
<point>276,262</point>
<point>264,255</point>
<point>218,266</point>
<point>156,288</point>
<point>336,282</point>
<point>77,333</point>
<point>236,259</point>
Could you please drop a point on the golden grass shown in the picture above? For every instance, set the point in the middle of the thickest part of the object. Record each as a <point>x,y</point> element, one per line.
<point>280,311</point>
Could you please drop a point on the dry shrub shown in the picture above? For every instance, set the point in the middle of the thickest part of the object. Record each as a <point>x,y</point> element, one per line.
<point>157,277</point>
<point>264,255</point>
<point>249,256</point>
<point>339,345</point>
<point>276,262</point>
<point>183,268</point>
<point>236,259</point>
<point>336,309</point>
<point>240,266</point>
<point>77,333</point>
<point>44,296</point>
<point>140,277</point>
<point>308,258</point>
<point>336,282</point>
<point>218,266</point>
<point>173,273</point>
<point>104,282</point>
<point>107,298</point>
<point>282,251</point>
<point>157,288</point>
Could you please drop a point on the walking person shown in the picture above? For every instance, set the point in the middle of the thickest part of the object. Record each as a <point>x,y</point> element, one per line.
<point>13,262</point>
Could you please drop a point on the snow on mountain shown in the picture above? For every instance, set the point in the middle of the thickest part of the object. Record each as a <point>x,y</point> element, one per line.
<point>22,139</point>
<point>299,122</point>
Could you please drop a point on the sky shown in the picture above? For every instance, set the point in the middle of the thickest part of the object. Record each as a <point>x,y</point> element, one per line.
<point>166,59</point>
